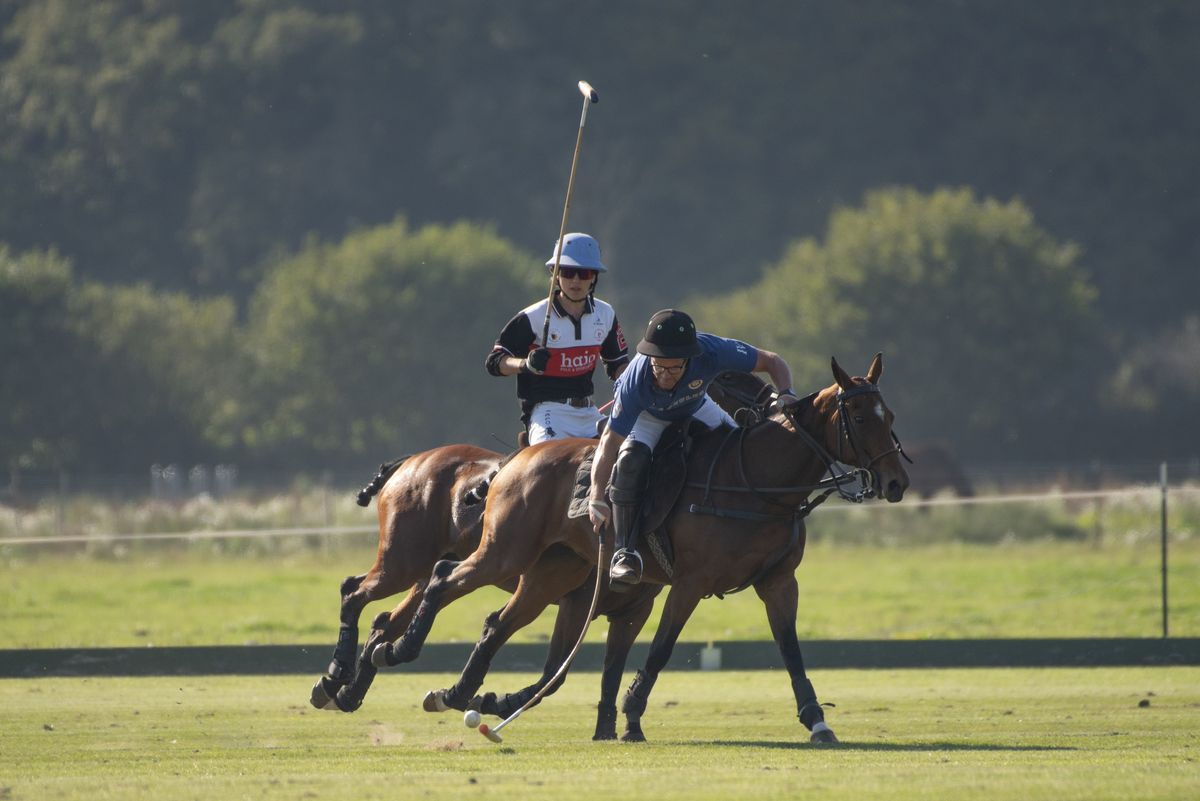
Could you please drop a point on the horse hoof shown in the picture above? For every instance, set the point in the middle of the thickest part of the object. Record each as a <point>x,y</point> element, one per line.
<point>603,736</point>
<point>323,693</point>
<point>633,737</point>
<point>345,702</point>
<point>434,701</point>
<point>823,737</point>
<point>380,656</point>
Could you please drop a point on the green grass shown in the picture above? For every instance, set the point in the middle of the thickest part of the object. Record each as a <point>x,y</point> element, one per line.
<point>204,595</point>
<point>1056,735</point>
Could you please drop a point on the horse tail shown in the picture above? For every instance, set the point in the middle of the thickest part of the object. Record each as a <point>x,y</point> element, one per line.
<point>479,493</point>
<point>385,472</point>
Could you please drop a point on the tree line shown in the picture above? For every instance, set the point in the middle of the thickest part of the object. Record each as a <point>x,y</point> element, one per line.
<point>287,232</point>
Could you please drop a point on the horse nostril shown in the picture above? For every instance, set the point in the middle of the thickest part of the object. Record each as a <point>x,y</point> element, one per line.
<point>895,491</point>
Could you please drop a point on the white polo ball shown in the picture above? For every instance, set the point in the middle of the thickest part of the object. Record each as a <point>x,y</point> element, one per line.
<point>472,718</point>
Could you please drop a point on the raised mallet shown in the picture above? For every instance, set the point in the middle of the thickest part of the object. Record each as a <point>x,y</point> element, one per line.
<point>589,97</point>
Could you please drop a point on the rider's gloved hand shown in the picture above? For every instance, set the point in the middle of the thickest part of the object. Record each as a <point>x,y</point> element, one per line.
<point>537,361</point>
<point>782,399</point>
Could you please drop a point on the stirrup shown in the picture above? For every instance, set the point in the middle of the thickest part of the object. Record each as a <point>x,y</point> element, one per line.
<point>620,572</point>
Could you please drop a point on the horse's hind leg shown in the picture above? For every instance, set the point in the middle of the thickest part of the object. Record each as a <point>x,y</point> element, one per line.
<point>681,602</point>
<point>386,626</point>
<point>780,595</point>
<point>356,592</point>
<point>449,582</point>
<point>623,629</point>
<point>553,576</point>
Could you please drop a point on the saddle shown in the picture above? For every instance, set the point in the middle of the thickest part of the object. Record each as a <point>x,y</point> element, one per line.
<point>668,475</point>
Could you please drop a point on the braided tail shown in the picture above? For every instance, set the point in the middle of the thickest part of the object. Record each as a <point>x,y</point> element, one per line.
<point>385,472</point>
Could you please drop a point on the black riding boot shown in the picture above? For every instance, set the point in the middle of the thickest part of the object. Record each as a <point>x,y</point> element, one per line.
<point>630,474</point>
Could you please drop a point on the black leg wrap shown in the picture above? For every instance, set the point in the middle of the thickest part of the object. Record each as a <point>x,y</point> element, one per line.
<point>639,690</point>
<point>343,655</point>
<point>606,722</point>
<point>478,664</point>
<point>347,700</point>
<point>487,704</point>
<point>811,714</point>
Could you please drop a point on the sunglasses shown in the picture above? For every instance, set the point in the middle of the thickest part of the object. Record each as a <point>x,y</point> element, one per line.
<point>669,369</point>
<point>577,272</point>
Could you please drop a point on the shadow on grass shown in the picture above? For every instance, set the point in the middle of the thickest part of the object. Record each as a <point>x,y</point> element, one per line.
<point>879,747</point>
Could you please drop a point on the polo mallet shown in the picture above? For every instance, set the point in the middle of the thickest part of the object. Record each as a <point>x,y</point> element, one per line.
<point>493,734</point>
<point>589,97</point>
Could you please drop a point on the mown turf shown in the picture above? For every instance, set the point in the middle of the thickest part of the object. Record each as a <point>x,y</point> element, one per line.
<point>157,596</point>
<point>1122,734</point>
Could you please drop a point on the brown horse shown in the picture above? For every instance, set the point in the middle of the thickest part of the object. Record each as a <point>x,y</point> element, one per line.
<point>738,523</point>
<point>424,516</point>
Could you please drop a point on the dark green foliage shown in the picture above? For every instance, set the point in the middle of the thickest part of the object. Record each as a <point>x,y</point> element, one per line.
<point>187,144</point>
<point>986,322</point>
<point>374,346</point>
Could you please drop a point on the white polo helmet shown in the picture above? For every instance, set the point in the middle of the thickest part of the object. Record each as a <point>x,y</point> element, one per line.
<point>579,250</point>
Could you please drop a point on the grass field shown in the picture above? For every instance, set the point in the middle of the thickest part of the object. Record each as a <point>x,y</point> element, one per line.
<point>1057,735</point>
<point>198,596</point>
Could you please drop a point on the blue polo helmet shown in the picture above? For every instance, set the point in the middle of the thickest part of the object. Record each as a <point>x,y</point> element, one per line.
<point>579,250</point>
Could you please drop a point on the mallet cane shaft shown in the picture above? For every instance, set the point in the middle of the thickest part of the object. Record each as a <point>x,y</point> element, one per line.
<point>589,97</point>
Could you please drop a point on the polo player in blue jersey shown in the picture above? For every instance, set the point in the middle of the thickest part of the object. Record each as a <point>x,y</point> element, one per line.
<point>665,383</point>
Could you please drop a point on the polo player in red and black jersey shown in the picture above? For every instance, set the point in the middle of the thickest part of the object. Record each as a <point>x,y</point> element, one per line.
<point>554,378</point>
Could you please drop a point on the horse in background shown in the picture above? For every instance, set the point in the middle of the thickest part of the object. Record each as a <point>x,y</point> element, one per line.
<point>425,516</point>
<point>935,470</point>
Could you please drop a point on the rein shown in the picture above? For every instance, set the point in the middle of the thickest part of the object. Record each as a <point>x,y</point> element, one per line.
<point>793,514</point>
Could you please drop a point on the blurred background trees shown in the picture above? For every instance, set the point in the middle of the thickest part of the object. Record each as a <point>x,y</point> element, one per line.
<point>235,229</point>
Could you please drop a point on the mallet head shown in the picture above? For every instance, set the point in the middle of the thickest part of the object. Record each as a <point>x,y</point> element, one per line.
<point>587,91</point>
<point>488,733</point>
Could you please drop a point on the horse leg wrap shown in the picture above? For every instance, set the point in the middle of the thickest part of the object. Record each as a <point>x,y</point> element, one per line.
<point>606,721</point>
<point>348,701</point>
<point>489,705</point>
<point>343,654</point>
<point>634,703</point>
<point>811,714</point>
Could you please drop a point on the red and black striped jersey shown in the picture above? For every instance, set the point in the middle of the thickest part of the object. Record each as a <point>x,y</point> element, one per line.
<point>576,347</point>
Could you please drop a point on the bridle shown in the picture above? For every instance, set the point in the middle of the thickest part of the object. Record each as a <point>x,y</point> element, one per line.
<point>847,432</point>
<point>855,484</point>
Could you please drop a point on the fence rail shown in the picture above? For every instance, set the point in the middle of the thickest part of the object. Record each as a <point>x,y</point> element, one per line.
<point>1148,492</point>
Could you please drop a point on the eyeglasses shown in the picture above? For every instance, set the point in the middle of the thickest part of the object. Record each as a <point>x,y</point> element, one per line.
<point>669,369</point>
<point>577,272</point>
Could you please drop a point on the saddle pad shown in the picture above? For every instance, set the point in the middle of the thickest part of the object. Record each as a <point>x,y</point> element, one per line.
<point>581,487</point>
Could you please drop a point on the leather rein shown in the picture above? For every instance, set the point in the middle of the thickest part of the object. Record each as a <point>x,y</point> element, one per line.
<point>836,481</point>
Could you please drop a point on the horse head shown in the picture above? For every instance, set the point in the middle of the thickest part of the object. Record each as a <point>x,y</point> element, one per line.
<point>858,428</point>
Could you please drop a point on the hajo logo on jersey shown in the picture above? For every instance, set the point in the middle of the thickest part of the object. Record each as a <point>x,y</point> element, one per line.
<point>583,361</point>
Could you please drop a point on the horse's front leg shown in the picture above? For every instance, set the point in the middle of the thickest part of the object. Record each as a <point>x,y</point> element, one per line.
<point>553,576</point>
<point>681,602</point>
<point>624,625</point>
<point>386,626</point>
<point>780,595</point>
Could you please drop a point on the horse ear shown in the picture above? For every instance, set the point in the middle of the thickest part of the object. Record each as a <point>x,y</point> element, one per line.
<point>876,369</point>
<point>839,375</point>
